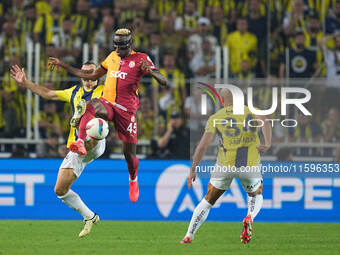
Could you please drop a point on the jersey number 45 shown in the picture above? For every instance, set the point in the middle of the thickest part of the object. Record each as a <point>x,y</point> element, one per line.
<point>132,128</point>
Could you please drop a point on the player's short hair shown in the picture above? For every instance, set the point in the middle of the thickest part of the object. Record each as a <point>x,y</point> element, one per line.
<point>87,63</point>
<point>226,94</point>
<point>123,32</point>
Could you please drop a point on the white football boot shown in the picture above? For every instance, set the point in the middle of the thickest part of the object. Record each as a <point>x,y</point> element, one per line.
<point>78,113</point>
<point>88,224</point>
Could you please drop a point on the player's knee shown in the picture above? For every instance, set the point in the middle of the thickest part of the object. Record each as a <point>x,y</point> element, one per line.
<point>213,194</point>
<point>210,199</point>
<point>257,192</point>
<point>60,191</point>
<point>101,111</point>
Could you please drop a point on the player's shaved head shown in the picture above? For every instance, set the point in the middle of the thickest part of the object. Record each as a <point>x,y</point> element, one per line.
<point>227,97</point>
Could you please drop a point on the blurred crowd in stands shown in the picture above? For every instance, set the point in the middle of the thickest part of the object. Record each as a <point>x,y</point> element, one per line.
<point>268,39</point>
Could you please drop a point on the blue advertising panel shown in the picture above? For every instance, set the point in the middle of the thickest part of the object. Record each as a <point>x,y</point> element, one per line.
<point>27,192</point>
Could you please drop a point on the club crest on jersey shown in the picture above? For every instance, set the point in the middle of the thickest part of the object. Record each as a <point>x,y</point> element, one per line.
<point>118,74</point>
<point>121,62</point>
<point>132,64</point>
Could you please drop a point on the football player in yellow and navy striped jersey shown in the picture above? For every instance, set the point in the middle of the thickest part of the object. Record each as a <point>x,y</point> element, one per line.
<point>87,91</point>
<point>239,147</point>
<point>73,164</point>
<point>237,144</point>
<point>76,93</point>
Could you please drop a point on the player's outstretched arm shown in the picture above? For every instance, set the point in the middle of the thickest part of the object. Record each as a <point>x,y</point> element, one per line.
<point>18,74</point>
<point>154,73</point>
<point>267,134</point>
<point>202,147</point>
<point>85,74</point>
<point>159,77</point>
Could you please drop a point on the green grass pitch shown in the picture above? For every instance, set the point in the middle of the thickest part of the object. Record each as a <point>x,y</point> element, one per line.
<point>115,237</point>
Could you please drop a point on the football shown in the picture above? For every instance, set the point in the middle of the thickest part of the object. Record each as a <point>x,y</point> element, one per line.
<point>97,128</point>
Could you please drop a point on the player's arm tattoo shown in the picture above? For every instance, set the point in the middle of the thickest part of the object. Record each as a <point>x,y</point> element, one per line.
<point>159,77</point>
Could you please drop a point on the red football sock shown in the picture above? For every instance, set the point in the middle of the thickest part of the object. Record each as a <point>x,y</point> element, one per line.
<point>88,115</point>
<point>133,167</point>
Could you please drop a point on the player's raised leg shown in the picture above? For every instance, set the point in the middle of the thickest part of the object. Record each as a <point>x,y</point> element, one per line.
<point>201,212</point>
<point>94,108</point>
<point>65,179</point>
<point>129,150</point>
<point>254,201</point>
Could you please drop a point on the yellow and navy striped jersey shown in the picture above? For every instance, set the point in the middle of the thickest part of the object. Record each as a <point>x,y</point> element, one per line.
<point>10,46</point>
<point>73,95</point>
<point>42,7</point>
<point>319,6</point>
<point>47,26</point>
<point>19,104</point>
<point>237,142</point>
<point>164,7</point>
<point>83,26</point>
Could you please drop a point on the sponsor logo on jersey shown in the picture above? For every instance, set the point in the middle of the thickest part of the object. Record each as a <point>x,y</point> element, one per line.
<point>172,194</point>
<point>118,74</point>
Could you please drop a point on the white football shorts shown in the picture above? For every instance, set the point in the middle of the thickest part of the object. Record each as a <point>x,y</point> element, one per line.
<point>78,163</point>
<point>222,181</point>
